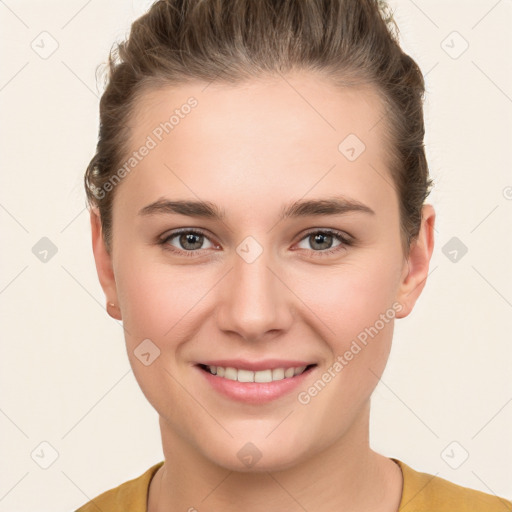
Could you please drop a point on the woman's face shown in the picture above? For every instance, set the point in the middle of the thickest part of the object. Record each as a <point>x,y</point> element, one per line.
<point>247,287</point>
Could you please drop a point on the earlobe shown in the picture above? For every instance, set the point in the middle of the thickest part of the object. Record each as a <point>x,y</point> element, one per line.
<point>415,273</point>
<point>104,267</point>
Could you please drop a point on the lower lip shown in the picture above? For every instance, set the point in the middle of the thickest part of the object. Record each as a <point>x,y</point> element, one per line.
<point>255,392</point>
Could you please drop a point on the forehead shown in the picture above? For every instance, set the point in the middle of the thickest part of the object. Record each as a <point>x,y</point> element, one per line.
<point>305,104</point>
<point>285,133</point>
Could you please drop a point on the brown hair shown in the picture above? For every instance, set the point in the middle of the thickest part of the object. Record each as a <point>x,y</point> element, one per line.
<point>351,42</point>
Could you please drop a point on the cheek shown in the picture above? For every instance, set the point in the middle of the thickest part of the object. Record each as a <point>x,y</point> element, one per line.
<point>156,303</point>
<point>349,299</point>
<point>356,307</point>
<point>155,297</point>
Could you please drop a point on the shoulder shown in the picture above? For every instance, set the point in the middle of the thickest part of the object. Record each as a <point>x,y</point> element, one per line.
<point>423,492</point>
<point>129,496</point>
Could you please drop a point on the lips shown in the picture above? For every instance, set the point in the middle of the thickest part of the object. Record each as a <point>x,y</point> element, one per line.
<point>255,383</point>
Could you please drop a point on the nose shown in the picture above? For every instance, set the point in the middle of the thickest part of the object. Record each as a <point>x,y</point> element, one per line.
<point>255,301</point>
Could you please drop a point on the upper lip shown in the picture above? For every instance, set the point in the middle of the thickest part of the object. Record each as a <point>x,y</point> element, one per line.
<point>266,364</point>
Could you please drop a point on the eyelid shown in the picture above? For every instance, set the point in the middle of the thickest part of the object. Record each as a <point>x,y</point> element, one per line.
<point>179,231</point>
<point>345,242</point>
<point>344,238</point>
<point>163,239</point>
<point>343,235</point>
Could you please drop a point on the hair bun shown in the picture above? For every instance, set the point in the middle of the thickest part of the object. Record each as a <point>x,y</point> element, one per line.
<point>388,16</point>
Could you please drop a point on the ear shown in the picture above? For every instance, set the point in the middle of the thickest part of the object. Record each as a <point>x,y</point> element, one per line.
<point>104,265</point>
<point>416,266</point>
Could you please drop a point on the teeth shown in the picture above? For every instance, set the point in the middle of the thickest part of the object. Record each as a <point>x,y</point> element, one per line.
<point>244,376</point>
<point>230,373</point>
<point>261,376</point>
<point>278,374</point>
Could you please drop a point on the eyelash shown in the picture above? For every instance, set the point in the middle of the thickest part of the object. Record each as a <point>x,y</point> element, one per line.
<point>344,239</point>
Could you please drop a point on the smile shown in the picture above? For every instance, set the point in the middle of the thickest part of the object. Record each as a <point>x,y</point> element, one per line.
<point>261,376</point>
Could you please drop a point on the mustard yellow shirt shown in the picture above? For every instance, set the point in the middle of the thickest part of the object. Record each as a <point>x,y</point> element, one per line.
<point>421,492</point>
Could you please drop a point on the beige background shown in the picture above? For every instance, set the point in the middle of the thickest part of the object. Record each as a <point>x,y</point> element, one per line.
<point>64,374</point>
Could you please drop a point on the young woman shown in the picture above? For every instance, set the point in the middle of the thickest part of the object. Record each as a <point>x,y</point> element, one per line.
<point>258,223</point>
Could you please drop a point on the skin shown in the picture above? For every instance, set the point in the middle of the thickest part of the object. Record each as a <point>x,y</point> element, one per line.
<point>251,149</point>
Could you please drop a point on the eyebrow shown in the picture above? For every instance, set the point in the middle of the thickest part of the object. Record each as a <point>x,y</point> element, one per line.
<point>299,208</point>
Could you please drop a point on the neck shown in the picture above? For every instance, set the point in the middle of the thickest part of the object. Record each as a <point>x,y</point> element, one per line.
<point>347,475</point>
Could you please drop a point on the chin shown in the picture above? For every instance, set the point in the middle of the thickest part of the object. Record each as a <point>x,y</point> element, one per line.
<point>249,457</point>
